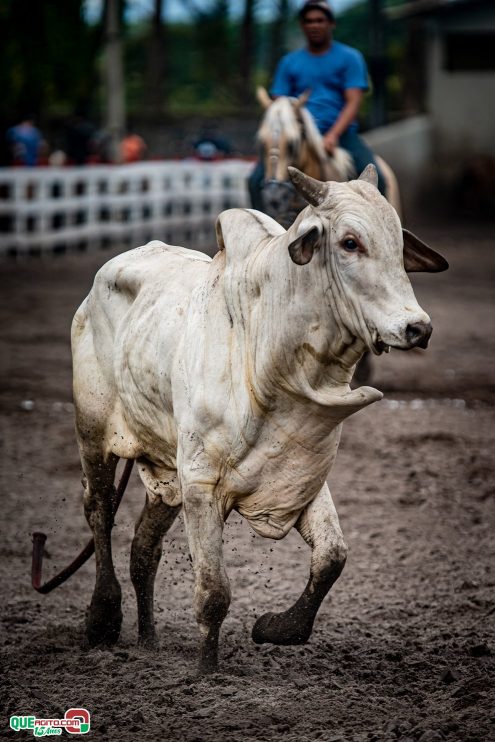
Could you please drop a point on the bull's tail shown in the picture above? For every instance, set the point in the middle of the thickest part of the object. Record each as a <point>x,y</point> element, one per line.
<point>40,538</point>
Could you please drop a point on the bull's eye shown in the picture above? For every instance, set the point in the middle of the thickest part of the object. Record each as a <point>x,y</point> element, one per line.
<point>350,245</point>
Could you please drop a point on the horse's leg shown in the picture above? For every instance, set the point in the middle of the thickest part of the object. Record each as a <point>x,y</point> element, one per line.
<point>104,616</point>
<point>364,369</point>
<point>255,182</point>
<point>155,520</point>
<point>319,526</point>
<point>204,525</point>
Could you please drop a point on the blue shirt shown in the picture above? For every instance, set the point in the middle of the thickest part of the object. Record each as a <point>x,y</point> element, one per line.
<point>26,141</point>
<point>327,75</point>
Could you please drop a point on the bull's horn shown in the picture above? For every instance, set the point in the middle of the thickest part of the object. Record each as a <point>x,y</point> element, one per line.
<point>313,191</point>
<point>370,175</point>
<point>303,98</point>
<point>263,97</point>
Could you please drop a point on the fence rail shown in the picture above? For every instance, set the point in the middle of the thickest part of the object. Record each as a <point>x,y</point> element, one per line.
<point>79,208</point>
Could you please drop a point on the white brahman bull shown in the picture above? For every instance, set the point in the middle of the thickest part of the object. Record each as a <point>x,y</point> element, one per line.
<point>228,380</point>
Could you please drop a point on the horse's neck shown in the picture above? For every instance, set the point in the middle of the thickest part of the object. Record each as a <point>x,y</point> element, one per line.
<point>314,159</point>
<point>312,164</point>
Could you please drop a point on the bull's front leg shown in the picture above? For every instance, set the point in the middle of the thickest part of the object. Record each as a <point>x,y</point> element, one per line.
<point>319,526</point>
<point>204,526</point>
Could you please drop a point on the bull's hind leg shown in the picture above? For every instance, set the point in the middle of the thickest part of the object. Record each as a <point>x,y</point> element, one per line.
<point>155,520</point>
<point>319,526</point>
<point>104,617</point>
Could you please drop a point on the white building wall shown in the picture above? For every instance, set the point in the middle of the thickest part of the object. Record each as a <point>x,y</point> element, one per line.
<point>462,103</point>
<point>408,147</point>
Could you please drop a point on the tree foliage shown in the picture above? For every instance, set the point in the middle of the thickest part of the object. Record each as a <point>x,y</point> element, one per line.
<point>49,57</point>
<point>210,65</point>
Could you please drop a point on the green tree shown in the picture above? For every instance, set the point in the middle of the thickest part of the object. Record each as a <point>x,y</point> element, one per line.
<point>49,56</point>
<point>247,51</point>
<point>279,33</point>
<point>156,71</point>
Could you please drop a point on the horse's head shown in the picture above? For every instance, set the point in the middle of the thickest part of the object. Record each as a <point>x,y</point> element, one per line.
<point>281,136</point>
<point>281,133</point>
<point>289,138</point>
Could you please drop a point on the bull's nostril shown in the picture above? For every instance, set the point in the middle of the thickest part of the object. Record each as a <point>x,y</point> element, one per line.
<point>418,334</point>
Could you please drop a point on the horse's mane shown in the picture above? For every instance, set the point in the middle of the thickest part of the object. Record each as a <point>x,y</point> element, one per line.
<point>280,117</point>
<point>314,139</point>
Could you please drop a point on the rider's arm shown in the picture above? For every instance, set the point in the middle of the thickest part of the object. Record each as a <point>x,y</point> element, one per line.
<point>353,98</point>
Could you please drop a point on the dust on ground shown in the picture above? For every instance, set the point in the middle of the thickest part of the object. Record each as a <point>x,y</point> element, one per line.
<point>403,648</point>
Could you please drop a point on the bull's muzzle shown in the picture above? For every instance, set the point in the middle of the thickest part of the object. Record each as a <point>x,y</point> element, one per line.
<point>418,334</point>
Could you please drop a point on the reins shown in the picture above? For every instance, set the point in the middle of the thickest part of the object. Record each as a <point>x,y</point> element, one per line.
<point>39,540</point>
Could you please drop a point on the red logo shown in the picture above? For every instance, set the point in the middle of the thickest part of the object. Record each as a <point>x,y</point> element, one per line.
<point>81,720</point>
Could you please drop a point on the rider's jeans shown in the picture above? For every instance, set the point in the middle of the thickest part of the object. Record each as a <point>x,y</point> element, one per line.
<point>361,154</point>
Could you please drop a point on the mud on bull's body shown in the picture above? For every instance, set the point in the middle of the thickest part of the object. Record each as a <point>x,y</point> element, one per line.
<point>228,380</point>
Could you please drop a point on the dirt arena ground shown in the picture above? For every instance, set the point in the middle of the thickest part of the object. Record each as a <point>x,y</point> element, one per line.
<point>403,649</point>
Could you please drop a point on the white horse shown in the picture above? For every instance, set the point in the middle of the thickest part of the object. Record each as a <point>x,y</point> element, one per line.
<point>289,137</point>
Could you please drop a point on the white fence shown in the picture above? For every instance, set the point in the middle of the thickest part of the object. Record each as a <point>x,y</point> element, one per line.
<point>79,208</point>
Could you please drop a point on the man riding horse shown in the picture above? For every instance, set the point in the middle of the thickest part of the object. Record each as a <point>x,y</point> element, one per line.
<point>337,77</point>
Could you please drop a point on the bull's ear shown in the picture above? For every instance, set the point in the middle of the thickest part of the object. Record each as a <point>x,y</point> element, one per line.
<point>302,248</point>
<point>420,257</point>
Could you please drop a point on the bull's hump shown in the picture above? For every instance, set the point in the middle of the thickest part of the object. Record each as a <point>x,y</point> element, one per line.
<point>153,255</point>
<point>156,264</point>
<point>158,248</point>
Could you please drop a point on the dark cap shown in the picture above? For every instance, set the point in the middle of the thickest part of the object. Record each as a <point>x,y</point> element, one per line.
<point>316,5</point>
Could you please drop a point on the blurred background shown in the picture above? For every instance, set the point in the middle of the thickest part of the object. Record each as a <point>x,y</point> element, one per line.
<point>139,80</point>
<point>146,114</point>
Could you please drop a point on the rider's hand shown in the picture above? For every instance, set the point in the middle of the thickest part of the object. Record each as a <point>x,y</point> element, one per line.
<point>330,142</point>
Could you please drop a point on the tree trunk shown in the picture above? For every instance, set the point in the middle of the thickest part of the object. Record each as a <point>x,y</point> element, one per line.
<point>156,71</point>
<point>378,64</point>
<point>114,79</point>
<point>278,40</point>
<point>246,94</point>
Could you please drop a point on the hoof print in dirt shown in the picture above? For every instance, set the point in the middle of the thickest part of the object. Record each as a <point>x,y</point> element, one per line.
<point>101,631</point>
<point>448,677</point>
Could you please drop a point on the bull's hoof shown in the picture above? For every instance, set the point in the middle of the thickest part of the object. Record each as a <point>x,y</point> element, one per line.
<point>102,634</point>
<point>103,622</point>
<point>208,654</point>
<point>207,667</point>
<point>149,642</point>
<point>281,628</point>
<point>208,661</point>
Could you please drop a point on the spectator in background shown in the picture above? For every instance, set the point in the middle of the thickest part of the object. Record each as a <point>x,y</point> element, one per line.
<point>80,136</point>
<point>132,147</point>
<point>211,146</point>
<point>25,142</point>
